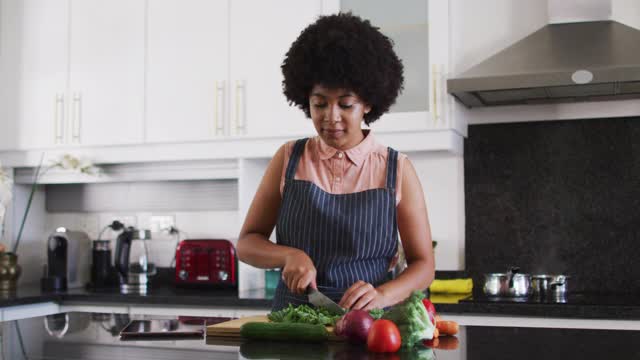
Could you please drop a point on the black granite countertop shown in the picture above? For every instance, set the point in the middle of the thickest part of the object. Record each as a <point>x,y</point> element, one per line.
<point>157,295</point>
<point>96,336</point>
<point>585,306</point>
<point>162,292</point>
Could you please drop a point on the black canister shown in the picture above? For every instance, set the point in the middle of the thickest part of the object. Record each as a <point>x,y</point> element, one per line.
<point>102,272</point>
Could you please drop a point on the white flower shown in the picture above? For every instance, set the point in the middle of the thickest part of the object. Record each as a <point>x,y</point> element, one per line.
<point>69,162</point>
<point>6,186</point>
<point>5,197</point>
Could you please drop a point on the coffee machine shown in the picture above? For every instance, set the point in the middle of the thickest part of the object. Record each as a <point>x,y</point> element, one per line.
<point>67,264</point>
<point>133,261</point>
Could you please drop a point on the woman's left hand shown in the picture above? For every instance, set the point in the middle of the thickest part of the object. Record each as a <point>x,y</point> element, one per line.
<point>363,296</point>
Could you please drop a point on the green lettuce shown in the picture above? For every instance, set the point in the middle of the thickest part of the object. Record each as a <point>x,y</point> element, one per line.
<point>412,320</point>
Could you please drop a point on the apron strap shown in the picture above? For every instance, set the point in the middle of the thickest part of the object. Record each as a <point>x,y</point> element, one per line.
<point>298,149</point>
<point>392,169</point>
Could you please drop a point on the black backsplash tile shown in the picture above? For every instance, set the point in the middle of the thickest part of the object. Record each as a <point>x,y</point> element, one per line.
<point>556,197</point>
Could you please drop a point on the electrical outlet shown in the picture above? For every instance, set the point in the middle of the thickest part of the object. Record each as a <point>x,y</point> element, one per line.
<point>89,224</point>
<point>107,219</point>
<point>160,223</point>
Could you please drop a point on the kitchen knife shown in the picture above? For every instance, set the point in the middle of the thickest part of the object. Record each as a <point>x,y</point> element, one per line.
<point>321,300</point>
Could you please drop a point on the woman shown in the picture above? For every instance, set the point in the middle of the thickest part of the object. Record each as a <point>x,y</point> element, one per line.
<point>338,200</point>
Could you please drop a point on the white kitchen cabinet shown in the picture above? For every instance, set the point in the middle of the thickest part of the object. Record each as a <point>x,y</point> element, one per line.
<point>106,77</point>
<point>213,68</point>
<point>187,70</point>
<point>7,130</point>
<point>94,74</point>
<point>261,32</point>
<point>33,73</point>
<point>72,72</point>
<point>420,32</point>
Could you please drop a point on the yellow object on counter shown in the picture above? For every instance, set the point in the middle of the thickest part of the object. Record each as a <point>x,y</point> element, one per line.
<point>442,298</point>
<point>453,286</point>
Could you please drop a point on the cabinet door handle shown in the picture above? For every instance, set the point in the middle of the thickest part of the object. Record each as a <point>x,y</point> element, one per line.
<point>58,124</point>
<point>241,127</point>
<point>220,107</point>
<point>76,121</point>
<point>434,74</point>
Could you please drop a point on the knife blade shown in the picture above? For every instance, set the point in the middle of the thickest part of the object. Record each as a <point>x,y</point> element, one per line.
<point>321,300</point>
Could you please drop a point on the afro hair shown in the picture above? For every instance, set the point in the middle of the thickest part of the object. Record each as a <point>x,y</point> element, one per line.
<point>343,51</point>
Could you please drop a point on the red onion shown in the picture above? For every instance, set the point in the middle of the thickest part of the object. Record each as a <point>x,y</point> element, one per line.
<point>355,326</point>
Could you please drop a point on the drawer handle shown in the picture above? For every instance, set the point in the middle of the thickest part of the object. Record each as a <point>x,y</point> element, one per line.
<point>76,120</point>
<point>240,107</point>
<point>434,73</point>
<point>59,119</point>
<point>219,107</point>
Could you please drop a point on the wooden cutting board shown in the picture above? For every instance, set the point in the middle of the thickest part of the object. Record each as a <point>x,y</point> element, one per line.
<point>231,329</point>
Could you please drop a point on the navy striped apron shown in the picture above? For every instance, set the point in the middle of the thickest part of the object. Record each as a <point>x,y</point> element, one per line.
<point>349,237</point>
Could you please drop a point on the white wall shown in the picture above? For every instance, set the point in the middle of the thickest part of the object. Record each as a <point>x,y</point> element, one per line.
<point>479,29</point>
<point>563,11</point>
<point>442,179</point>
<point>251,172</point>
<point>626,12</point>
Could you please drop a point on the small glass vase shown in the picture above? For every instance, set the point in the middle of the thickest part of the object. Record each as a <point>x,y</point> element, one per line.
<point>9,271</point>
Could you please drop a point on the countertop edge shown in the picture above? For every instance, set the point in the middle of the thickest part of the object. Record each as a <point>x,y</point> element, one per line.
<point>229,300</point>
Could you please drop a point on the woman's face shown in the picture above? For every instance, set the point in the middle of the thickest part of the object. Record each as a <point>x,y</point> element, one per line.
<point>337,115</point>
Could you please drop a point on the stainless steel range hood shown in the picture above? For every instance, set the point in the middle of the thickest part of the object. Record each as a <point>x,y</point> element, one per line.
<point>583,61</point>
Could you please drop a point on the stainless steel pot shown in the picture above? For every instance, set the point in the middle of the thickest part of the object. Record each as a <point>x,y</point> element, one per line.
<point>559,285</point>
<point>510,284</point>
<point>540,284</point>
<point>551,287</point>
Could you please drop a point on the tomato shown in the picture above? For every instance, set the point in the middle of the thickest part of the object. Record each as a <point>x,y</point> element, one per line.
<point>384,336</point>
<point>428,305</point>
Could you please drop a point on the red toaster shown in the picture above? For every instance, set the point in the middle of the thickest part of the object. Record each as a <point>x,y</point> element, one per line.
<point>206,262</point>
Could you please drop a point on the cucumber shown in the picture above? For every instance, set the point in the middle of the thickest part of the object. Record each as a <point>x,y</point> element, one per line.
<point>284,331</point>
<point>266,349</point>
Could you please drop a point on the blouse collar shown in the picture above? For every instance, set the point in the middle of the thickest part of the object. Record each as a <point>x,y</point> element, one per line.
<point>356,154</point>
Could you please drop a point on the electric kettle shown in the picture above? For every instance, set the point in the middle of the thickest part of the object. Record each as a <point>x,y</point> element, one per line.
<point>133,261</point>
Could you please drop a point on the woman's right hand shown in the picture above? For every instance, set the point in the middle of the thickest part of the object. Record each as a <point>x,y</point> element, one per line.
<point>299,272</point>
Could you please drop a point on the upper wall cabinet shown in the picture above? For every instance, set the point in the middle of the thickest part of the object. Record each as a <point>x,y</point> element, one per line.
<point>261,34</point>
<point>213,68</point>
<point>187,70</point>
<point>34,60</point>
<point>420,32</point>
<point>106,71</point>
<point>96,73</point>
<point>72,72</point>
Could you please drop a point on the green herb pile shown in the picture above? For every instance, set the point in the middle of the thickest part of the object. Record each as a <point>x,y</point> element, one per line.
<point>309,315</point>
<point>412,320</point>
<point>304,314</point>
